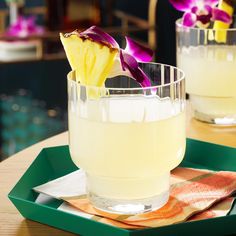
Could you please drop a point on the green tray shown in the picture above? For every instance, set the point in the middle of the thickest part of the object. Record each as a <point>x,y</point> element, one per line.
<point>54,162</point>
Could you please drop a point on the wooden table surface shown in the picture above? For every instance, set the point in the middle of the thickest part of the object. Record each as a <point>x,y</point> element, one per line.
<point>12,223</point>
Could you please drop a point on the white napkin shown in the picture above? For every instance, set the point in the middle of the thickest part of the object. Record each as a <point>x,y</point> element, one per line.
<point>71,185</point>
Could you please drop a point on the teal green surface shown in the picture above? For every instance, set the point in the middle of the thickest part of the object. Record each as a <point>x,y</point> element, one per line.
<point>54,162</point>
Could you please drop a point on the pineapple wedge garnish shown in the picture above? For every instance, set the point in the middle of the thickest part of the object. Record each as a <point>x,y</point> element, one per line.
<point>92,61</point>
<point>221,35</point>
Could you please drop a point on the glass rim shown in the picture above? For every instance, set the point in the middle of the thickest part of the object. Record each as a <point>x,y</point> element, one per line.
<point>182,77</point>
<point>180,24</point>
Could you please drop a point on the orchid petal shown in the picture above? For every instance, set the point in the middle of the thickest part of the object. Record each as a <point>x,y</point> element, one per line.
<point>221,15</point>
<point>128,60</point>
<point>138,51</point>
<point>204,19</point>
<point>211,2</point>
<point>183,5</point>
<point>100,36</point>
<point>140,76</point>
<point>208,9</point>
<point>143,78</point>
<point>194,9</point>
<point>189,19</point>
<point>130,64</point>
<point>122,60</point>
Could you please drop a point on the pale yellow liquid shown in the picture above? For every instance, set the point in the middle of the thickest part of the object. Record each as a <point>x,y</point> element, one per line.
<point>126,155</point>
<point>210,77</point>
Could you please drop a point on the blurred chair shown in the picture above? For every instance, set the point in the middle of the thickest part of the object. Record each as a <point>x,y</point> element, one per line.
<point>148,24</point>
<point>72,14</point>
<point>3,19</point>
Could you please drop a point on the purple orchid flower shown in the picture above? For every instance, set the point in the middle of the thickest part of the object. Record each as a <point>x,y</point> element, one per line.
<point>100,36</point>
<point>127,60</point>
<point>23,27</point>
<point>200,12</point>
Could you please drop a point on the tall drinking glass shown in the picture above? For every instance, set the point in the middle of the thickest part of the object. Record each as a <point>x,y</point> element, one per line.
<point>128,138</point>
<point>208,57</point>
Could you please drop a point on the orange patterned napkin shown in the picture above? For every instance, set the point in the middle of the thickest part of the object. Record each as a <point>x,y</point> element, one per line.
<point>192,191</point>
<point>195,194</point>
<point>219,209</point>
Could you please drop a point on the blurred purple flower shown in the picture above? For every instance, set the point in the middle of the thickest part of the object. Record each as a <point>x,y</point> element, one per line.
<point>200,12</point>
<point>23,27</point>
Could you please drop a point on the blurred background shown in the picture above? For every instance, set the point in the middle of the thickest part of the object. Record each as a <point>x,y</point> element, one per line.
<point>33,66</point>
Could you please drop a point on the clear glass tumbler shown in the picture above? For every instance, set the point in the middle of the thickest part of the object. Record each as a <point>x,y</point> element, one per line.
<point>127,138</point>
<point>208,58</point>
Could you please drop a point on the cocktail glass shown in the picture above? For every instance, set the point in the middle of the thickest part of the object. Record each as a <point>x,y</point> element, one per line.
<point>208,58</point>
<point>127,138</point>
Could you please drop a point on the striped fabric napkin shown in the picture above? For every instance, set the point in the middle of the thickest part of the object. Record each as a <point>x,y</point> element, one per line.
<point>194,195</point>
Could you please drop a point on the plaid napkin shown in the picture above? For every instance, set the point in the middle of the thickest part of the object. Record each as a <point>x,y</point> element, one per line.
<point>195,194</point>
